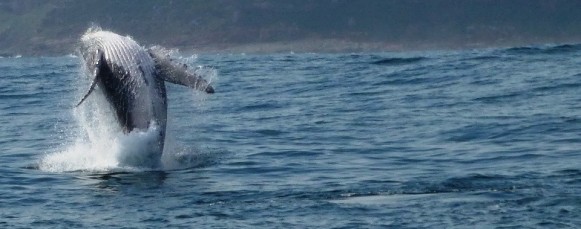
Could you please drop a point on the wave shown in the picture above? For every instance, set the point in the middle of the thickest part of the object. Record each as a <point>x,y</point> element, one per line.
<point>535,50</point>
<point>399,60</point>
<point>472,187</point>
<point>523,50</point>
<point>558,87</point>
<point>495,98</point>
<point>563,48</point>
<point>484,58</point>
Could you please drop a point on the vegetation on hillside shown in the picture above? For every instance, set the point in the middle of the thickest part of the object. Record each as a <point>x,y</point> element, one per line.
<point>53,26</point>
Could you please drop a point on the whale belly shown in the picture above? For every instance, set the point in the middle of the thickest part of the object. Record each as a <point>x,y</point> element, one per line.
<point>127,79</point>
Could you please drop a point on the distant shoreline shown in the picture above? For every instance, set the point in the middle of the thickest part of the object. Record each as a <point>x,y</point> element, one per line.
<point>297,46</point>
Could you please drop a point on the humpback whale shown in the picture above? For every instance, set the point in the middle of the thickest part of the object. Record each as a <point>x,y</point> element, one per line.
<point>132,79</point>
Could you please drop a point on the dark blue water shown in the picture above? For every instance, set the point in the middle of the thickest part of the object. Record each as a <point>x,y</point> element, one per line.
<point>485,138</point>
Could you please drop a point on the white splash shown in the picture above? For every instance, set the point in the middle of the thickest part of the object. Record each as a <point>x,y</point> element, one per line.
<point>100,145</point>
<point>104,148</point>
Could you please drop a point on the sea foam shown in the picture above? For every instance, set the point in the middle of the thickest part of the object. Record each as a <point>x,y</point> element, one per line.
<point>100,145</point>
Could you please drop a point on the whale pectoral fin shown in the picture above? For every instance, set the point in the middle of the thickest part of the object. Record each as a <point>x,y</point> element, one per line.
<point>177,73</point>
<point>96,77</point>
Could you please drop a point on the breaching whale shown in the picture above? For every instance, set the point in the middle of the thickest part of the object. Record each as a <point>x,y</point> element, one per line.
<point>132,79</point>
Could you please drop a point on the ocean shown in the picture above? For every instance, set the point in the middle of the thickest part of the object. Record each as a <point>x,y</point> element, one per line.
<point>487,138</point>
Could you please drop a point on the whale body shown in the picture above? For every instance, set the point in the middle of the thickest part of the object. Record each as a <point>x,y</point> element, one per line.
<point>132,79</point>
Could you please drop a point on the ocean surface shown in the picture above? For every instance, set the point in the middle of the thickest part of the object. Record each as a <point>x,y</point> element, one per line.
<point>485,138</point>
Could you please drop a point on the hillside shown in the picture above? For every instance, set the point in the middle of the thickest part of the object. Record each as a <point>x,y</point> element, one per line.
<point>52,27</point>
